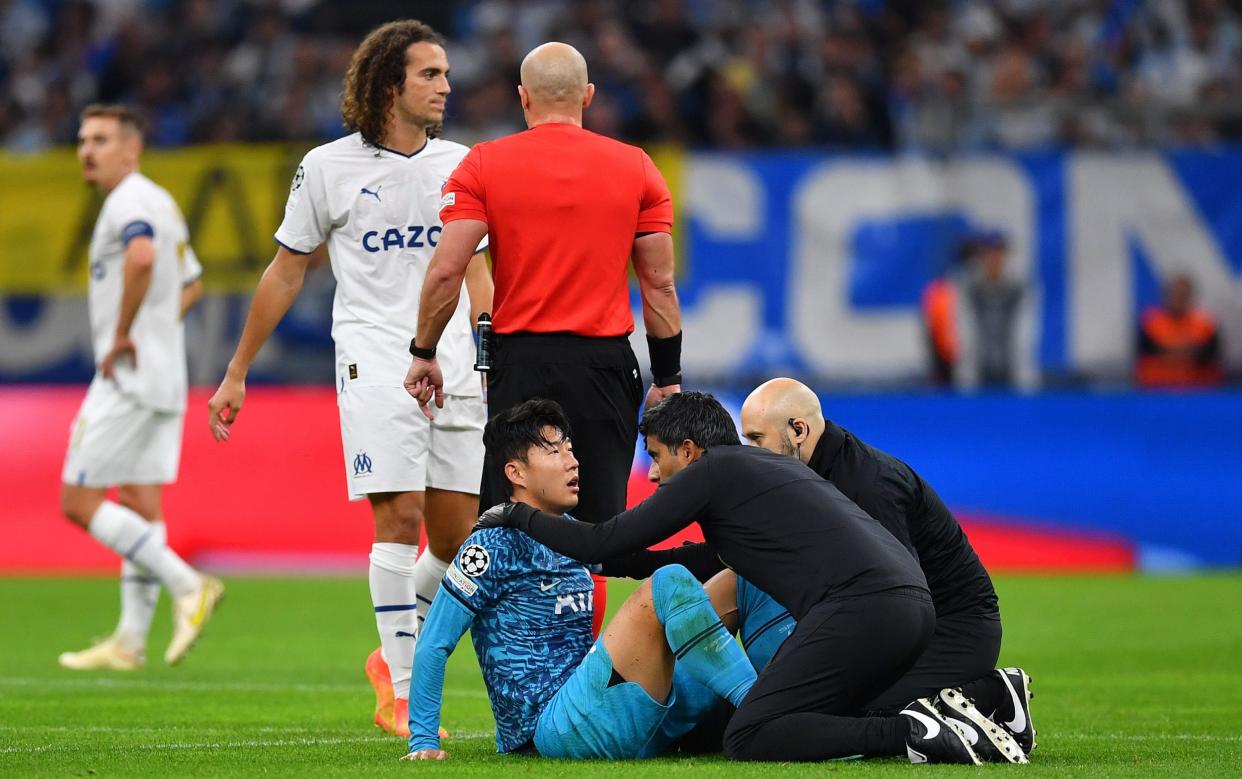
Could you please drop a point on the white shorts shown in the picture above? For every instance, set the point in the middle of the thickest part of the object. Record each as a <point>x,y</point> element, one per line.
<point>391,447</point>
<point>114,440</point>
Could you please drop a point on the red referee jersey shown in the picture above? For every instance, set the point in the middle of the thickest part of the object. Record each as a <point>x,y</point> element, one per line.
<point>562,207</point>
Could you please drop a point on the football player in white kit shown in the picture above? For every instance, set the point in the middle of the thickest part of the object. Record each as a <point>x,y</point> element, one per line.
<point>373,199</point>
<point>127,434</point>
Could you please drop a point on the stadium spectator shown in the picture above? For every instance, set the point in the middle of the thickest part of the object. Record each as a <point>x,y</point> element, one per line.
<point>992,314</point>
<point>567,211</point>
<point>127,435</point>
<point>939,304</point>
<point>935,75</point>
<point>385,177</point>
<point>1178,342</point>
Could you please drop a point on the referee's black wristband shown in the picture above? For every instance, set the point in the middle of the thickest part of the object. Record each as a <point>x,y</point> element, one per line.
<point>665,359</point>
<point>421,353</point>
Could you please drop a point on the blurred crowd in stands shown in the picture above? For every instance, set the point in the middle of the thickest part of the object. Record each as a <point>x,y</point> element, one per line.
<point>933,75</point>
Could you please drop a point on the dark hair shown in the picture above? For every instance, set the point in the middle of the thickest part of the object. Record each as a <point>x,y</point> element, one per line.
<point>690,415</point>
<point>510,434</point>
<point>129,119</point>
<point>376,68</point>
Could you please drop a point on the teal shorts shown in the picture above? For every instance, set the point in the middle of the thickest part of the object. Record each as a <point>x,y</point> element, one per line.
<point>589,720</point>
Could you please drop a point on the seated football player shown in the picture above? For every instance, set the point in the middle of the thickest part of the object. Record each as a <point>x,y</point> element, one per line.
<point>553,691</point>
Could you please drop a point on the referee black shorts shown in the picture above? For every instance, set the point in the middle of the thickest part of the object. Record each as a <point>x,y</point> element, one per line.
<point>597,382</point>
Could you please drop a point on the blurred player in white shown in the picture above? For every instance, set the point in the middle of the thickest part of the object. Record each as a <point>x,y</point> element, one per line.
<point>127,434</point>
<point>373,199</point>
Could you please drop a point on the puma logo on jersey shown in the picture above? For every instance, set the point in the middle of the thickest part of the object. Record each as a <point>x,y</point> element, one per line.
<point>374,194</point>
<point>412,237</point>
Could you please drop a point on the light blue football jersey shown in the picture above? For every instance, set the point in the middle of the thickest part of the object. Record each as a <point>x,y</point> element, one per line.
<point>529,613</point>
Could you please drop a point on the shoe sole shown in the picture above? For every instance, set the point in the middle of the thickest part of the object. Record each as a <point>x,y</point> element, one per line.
<point>213,604</point>
<point>1005,749</point>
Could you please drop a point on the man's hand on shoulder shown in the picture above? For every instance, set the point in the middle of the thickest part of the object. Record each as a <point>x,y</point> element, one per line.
<point>427,754</point>
<point>505,515</point>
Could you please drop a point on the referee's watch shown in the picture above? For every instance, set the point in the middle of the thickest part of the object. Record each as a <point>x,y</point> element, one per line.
<point>420,352</point>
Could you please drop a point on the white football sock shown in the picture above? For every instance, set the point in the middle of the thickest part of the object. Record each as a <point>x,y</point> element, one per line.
<point>132,537</point>
<point>395,599</point>
<point>428,572</point>
<point>140,592</point>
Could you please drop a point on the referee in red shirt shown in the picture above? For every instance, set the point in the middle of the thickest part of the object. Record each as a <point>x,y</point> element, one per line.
<point>566,210</point>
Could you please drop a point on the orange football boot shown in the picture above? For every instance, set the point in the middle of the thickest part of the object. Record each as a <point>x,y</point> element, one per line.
<point>392,715</point>
<point>381,680</point>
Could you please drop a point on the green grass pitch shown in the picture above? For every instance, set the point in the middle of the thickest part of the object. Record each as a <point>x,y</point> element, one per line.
<point>1132,675</point>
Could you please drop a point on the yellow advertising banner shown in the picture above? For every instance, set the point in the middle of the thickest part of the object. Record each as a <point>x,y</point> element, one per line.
<point>232,196</point>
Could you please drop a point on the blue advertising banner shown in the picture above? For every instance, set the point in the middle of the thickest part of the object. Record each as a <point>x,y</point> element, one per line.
<point>815,264</point>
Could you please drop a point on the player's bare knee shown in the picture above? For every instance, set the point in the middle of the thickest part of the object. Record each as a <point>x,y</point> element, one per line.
<point>446,548</point>
<point>643,597</point>
<point>398,517</point>
<point>78,505</point>
<point>638,611</point>
<point>142,499</point>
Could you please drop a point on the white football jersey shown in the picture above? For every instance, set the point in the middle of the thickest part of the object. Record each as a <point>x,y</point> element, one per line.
<point>379,212</point>
<point>139,206</point>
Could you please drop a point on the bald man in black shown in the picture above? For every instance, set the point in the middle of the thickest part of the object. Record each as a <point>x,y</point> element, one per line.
<point>784,416</point>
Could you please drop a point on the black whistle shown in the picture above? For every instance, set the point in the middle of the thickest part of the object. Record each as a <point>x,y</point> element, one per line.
<point>485,343</point>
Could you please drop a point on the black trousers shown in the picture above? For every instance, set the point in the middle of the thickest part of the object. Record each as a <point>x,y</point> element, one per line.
<point>965,647</point>
<point>806,703</point>
<point>596,381</point>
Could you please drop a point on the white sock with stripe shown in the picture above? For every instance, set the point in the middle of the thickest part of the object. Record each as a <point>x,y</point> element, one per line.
<point>395,598</point>
<point>132,537</point>
<point>140,592</point>
<point>427,575</point>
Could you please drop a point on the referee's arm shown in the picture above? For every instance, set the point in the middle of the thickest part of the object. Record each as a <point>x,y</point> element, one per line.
<point>441,291</point>
<point>442,286</point>
<point>652,256</point>
<point>653,265</point>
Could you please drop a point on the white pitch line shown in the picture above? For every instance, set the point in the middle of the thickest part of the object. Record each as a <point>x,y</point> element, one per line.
<point>1147,736</point>
<point>245,744</point>
<point>155,684</point>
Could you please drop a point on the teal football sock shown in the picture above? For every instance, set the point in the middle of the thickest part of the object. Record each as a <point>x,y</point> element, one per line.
<point>698,638</point>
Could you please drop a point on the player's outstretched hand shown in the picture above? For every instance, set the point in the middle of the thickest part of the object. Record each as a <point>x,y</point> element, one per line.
<point>427,754</point>
<point>224,407</point>
<point>123,346</point>
<point>425,382</point>
<point>656,394</point>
